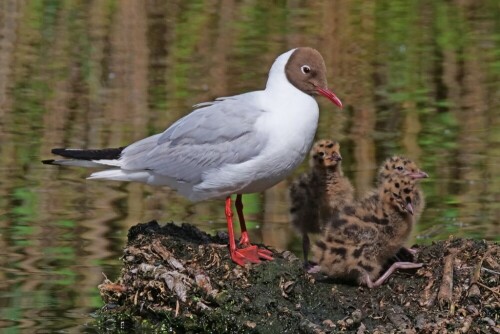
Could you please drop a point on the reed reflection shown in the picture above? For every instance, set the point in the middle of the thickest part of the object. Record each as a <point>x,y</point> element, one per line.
<point>420,79</point>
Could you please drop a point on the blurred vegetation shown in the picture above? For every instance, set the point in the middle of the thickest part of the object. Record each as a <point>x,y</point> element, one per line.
<point>420,78</point>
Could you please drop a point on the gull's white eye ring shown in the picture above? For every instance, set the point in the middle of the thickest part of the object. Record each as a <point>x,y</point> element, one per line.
<point>305,69</point>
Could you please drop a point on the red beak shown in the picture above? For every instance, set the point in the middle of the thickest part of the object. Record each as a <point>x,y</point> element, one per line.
<point>330,96</point>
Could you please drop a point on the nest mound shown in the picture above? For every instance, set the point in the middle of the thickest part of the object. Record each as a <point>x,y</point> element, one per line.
<point>179,279</point>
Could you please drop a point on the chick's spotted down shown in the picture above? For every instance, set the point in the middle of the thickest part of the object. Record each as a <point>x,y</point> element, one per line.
<point>324,189</point>
<point>404,166</point>
<point>360,239</point>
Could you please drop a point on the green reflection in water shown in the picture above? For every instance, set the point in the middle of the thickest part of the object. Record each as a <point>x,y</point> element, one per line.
<point>420,78</point>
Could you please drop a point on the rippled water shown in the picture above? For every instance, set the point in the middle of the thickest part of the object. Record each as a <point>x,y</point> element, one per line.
<point>419,78</point>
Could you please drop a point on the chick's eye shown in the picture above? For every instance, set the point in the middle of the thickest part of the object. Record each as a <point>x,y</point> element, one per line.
<point>321,154</point>
<point>305,69</point>
<point>400,168</point>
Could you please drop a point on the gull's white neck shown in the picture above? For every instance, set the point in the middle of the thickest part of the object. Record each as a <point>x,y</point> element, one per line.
<point>277,79</point>
<point>282,94</point>
<point>291,120</point>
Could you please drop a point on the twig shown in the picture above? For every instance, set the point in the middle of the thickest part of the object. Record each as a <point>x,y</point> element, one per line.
<point>495,293</point>
<point>429,295</point>
<point>473,290</point>
<point>477,270</point>
<point>446,288</point>
<point>491,271</point>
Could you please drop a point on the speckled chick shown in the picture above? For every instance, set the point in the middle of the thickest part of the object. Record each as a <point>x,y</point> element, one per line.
<point>360,239</point>
<point>319,192</point>
<point>405,166</point>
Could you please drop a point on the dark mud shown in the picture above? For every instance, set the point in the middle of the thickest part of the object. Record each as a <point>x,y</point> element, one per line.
<point>179,279</point>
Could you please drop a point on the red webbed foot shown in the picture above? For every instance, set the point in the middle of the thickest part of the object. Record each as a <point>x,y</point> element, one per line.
<point>248,252</point>
<point>242,256</point>
<point>263,253</point>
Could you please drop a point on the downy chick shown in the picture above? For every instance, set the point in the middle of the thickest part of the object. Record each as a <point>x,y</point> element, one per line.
<point>319,192</point>
<point>405,166</point>
<point>360,239</point>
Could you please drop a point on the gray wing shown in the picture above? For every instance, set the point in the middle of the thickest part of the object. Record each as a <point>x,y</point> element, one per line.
<point>210,137</point>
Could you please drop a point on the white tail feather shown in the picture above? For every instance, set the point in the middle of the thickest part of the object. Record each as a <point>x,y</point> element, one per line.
<point>121,175</point>
<point>108,162</point>
<point>77,163</point>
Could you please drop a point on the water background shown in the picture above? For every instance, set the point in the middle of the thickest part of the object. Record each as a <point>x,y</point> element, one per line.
<point>419,78</point>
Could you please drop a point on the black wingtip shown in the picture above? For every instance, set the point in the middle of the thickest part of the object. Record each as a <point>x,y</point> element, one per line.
<point>89,154</point>
<point>58,151</point>
<point>48,162</point>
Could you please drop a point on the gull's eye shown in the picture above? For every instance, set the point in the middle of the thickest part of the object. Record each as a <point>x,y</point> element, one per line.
<point>305,69</point>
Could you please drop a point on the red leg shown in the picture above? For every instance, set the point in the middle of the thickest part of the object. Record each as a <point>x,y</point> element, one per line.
<point>245,239</point>
<point>396,265</point>
<point>239,256</point>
